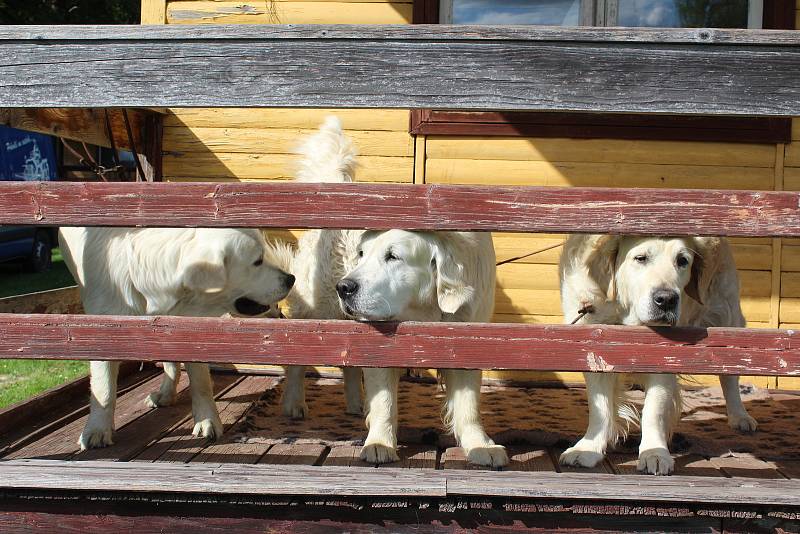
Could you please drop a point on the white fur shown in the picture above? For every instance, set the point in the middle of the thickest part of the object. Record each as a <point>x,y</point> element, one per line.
<point>167,271</point>
<point>444,276</point>
<point>618,277</point>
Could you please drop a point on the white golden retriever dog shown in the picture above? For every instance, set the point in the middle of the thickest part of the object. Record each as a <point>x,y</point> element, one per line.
<point>392,275</point>
<point>168,271</point>
<point>657,282</point>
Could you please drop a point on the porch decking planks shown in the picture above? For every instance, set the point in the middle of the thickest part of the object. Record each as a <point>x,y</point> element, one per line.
<point>179,445</point>
<point>62,443</point>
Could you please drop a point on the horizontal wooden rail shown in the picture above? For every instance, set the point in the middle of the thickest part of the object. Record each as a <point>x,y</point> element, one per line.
<point>437,345</point>
<point>697,71</point>
<point>413,207</point>
<point>150,479</point>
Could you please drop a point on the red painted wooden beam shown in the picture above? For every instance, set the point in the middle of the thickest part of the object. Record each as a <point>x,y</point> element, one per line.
<point>413,207</point>
<point>436,345</point>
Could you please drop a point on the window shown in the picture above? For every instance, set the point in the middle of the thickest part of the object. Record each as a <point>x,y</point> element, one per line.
<point>771,14</point>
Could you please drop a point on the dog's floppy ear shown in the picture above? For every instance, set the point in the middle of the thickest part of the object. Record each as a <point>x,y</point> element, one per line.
<point>203,267</point>
<point>601,261</point>
<point>452,289</point>
<point>704,265</point>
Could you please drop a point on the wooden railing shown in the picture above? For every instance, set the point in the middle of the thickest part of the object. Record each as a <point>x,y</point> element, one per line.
<point>510,68</point>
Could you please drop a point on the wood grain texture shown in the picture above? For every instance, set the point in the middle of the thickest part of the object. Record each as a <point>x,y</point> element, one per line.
<point>389,67</point>
<point>352,119</point>
<point>413,207</point>
<point>288,12</point>
<point>261,479</point>
<point>425,345</point>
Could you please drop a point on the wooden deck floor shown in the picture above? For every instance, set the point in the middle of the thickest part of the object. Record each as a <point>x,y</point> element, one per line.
<point>164,435</point>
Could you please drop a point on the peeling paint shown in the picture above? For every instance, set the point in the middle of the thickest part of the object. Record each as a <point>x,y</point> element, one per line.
<point>597,363</point>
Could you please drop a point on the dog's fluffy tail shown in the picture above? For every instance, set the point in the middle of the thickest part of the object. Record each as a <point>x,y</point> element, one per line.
<point>327,156</point>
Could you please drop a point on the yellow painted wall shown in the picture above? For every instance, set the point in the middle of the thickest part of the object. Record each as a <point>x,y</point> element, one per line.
<point>247,144</point>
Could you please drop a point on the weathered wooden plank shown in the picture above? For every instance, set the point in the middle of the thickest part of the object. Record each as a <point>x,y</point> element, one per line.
<point>293,454</point>
<point>597,348</point>
<point>657,71</point>
<point>261,479</point>
<point>413,207</point>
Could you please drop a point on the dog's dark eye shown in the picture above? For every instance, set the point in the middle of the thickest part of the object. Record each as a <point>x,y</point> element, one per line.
<point>258,262</point>
<point>390,257</point>
<point>360,253</point>
<point>641,258</point>
<point>682,261</point>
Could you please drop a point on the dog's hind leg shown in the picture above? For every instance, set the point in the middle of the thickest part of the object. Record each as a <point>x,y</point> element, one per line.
<point>662,409</point>
<point>100,425</point>
<point>293,400</point>
<point>462,416</point>
<point>738,418</point>
<point>380,447</point>
<point>601,390</point>
<point>169,387</point>
<point>207,423</point>
<point>353,390</point>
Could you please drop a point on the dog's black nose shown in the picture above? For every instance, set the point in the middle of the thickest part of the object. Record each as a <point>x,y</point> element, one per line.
<point>346,288</point>
<point>289,281</point>
<point>665,299</point>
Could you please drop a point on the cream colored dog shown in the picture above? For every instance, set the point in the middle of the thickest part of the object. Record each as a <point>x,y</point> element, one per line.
<point>168,271</point>
<point>655,282</point>
<point>390,276</point>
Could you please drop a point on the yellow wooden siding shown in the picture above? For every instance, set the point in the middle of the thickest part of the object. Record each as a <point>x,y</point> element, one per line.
<point>289,12</point>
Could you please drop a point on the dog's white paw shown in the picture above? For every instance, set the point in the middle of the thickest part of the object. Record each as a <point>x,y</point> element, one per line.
<point>580,456</point>
<point>209,428</point>
<point>656,462</point>
<point>375,453</point>
<point>95,437</point>
<point>159,400</point>
<point>294,410</point>
<point>743,422</point>
<point>491,455</point>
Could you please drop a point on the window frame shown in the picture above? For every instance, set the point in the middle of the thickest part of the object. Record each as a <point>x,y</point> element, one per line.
<point>776,14</point>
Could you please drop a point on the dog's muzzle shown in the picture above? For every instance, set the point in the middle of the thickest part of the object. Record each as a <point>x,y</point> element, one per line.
<point>247,306</point>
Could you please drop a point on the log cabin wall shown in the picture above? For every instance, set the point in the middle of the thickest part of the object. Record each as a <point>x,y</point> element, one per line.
<point>249,144</point>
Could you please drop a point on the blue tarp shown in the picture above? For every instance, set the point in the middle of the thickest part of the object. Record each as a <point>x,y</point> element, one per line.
<point>26,156</point>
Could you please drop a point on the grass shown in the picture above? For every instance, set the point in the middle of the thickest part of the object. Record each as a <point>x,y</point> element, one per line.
<point>14,280</point>
<point>21,379</point>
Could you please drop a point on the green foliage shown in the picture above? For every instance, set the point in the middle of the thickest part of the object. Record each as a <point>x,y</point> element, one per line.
<point>69,11</point>
<point>21,379</point>
<point>14,280</point>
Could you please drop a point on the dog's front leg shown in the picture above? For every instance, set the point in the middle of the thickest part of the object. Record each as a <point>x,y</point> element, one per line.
<point>738,418</point>
<point>353,390</point>
<point>381,385</point>
<point>100,426</point>
<point>207,423</point>
<point>293,400</point>
<point>462,416</point>
<point>662,408</point>
<point>601,390</point>
<point>169,387</point>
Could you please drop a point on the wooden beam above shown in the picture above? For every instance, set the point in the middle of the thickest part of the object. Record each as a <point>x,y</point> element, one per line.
<point>413,207</point>
<point>87,125</point>
<point>684,71</point>
<point>596,348</point>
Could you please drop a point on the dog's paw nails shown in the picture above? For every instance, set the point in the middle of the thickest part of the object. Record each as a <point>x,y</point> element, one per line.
<point>95,438</point>
<point>157,400</point>
<point>297,410</point>
<point>580,457</point>
<point>208,428</point>
<point>656,462</point>
<point>743,423</point>
<point>492,456</point>
<point>376,453</point>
